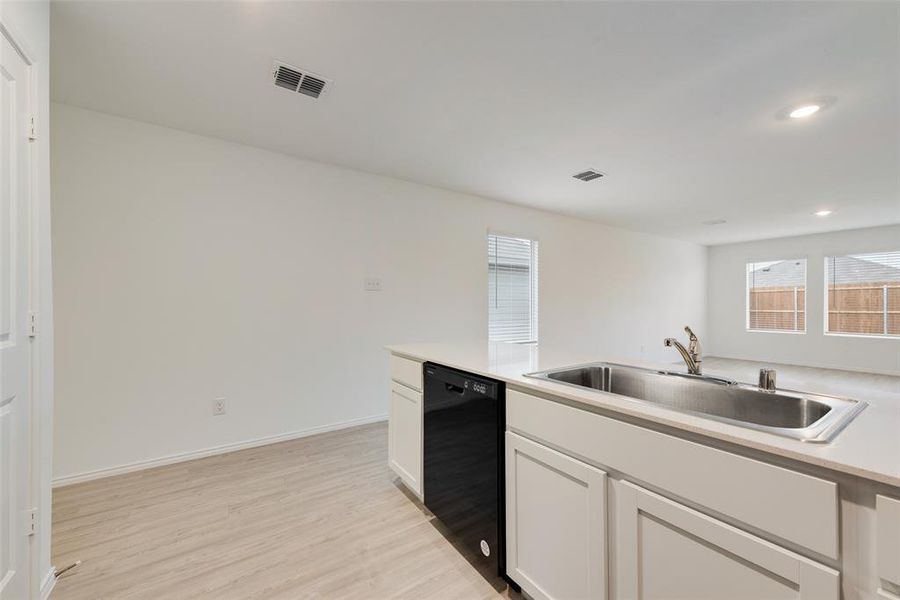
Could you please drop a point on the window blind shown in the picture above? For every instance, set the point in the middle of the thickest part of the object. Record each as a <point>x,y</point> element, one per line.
<point>863,294</point>
<point>512,289</point>
<point>776,295</point>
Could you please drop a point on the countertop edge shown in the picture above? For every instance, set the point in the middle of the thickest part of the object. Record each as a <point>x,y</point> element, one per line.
<point>598,400</point>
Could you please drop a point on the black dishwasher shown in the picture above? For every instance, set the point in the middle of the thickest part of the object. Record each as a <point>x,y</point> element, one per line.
<point>464,477</point>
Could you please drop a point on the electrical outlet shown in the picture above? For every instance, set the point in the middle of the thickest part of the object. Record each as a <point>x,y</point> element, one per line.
<point>372,284</point>
<point>218,407</point>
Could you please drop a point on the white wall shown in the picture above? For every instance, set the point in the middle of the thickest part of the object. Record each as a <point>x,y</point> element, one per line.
<point>30,21</point>
<point>189,268</point>
<point>727,304</point>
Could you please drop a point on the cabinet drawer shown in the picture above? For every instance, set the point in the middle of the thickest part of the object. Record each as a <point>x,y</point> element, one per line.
<point>790,505</point>
<point>406,371</point>
<point>888,532</point>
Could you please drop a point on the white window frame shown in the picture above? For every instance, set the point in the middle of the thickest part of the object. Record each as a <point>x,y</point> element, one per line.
<point>803,331</point>
<point>825,311</point>
<point>533,287</point>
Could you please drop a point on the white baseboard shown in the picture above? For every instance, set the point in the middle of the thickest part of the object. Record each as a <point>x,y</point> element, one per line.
<point>48,583</point>
<point>195,454</point>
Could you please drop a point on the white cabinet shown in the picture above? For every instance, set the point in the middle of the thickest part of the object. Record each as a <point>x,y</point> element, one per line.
<point>406,425</point>
<point>405,436</point>
<point>793,506</point>
<point>406,371</point>
<point>555,523</point>
<point>887,532</point>
<point>665,550</point>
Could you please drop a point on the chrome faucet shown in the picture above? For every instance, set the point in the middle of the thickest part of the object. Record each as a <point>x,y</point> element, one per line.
<point>691,354</point>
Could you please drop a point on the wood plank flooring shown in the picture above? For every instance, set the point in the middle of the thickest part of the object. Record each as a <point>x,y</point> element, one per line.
<point>319,517</point>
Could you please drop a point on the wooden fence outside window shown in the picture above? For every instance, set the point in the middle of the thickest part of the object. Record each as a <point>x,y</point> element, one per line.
<point>781,308</point>
<point>871,308</point>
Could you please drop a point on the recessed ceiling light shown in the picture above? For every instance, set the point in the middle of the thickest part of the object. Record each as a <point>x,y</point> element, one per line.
<point>804,111</point>
<point>806,108</point>
<point>822,213</point>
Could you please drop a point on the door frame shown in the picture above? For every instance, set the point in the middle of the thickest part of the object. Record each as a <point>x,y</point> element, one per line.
<point>39,584</point>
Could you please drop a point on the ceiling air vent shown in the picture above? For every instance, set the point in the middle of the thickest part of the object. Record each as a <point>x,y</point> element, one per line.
<point>299,80</point>
<point>287,78</point>
<point>311,86</point>
<point>589,175</point>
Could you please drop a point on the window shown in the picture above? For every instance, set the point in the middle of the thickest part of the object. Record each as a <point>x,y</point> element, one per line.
<point>776,295</point>
<point>512,289</point>
<point>862,293</point>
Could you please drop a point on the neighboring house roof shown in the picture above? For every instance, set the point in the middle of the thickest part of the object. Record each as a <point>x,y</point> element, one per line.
<point>848,269</point>
<point>786,273</point>
<point>843,269</point>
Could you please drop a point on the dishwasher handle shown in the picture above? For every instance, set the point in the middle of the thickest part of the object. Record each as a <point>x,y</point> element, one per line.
<point>454,388</point>
<point>459,383</point>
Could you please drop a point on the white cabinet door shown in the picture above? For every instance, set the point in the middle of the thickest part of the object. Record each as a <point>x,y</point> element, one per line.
<point>405,430</point>
<point>887,532</point>
<point>665,550</point>
<point>555,523</point>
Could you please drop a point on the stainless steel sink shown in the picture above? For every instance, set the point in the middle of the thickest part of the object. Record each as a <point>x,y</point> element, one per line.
<point>798,415</point>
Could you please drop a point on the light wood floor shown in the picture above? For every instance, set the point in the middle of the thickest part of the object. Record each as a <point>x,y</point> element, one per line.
<point>319,517</point>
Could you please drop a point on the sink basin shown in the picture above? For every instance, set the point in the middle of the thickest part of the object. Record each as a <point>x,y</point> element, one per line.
<point>802,416</point>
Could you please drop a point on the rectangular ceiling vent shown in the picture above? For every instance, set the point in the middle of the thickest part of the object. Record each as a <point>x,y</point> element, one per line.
<point>589,175</point>
<point>299,80</point>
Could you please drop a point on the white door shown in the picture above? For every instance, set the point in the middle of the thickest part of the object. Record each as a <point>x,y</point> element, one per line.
<point>667,551</point>
<point>14,343</point>
<point>555,523</point>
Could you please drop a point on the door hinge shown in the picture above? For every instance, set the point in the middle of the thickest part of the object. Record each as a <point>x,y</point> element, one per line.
<point>30,522</point>
<point>32,128</point>
<point>32,325</point>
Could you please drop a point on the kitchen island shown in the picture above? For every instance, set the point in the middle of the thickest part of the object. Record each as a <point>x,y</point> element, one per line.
<point>607,497</point>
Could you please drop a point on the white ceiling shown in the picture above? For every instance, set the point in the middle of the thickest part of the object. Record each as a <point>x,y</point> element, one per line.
<point>675,101</point>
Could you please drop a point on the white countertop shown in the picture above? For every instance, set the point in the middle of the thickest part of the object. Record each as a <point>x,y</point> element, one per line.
<point>868,447</point>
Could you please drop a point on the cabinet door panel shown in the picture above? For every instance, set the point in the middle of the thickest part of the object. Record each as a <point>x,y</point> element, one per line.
<point>793,506</point>
<point>887,512</point>
<point>405,436</point>
<point>678,566</point>
<point>556,523</point>
<point>667,551</point>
